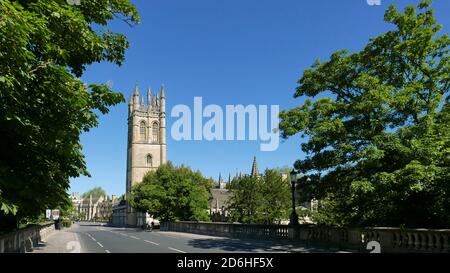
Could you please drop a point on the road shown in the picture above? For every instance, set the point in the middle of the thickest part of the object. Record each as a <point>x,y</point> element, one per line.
<point>98,238</point>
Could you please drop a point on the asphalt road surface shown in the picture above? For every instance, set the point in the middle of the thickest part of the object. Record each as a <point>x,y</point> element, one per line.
<point>98,238</point>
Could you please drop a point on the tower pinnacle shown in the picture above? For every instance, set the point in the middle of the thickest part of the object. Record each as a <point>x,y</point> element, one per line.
<point>255,171</point>
<point>149,99</point>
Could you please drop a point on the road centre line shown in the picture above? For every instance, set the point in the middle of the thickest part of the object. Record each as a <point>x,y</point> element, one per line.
<point>150,242</point>
<point>174,249</point>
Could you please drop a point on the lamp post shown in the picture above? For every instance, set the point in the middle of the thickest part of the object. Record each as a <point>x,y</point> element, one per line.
<point>294,217</point>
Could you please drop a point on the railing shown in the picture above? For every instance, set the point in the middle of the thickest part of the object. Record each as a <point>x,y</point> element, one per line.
<point>410,240</point>
<point>24,239</point>
<point>229,230</point>
<point>390,239</point>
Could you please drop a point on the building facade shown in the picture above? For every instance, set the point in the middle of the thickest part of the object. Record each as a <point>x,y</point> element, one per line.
<point>95,208</point>
<point>219,197</point>
<point>146,139</point>
<point>219,201</point>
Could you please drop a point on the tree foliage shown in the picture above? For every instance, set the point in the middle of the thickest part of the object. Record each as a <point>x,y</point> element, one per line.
<point>45,46</point>
<point>95,192</point>
<point>378,131</point>
<point>262,199</point>
<point>172,193</point>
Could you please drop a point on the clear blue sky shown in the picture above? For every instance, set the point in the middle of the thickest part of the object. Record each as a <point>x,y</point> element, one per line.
<point>228,52</point>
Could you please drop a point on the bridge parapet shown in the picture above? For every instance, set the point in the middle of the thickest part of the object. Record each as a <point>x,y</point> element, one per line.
<point>23,240</point>
<point>391,240</point>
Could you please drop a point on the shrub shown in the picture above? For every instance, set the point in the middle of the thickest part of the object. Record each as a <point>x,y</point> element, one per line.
<point>66,223</point>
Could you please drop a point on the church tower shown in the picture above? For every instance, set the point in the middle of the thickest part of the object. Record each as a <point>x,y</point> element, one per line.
<point>146,139</point>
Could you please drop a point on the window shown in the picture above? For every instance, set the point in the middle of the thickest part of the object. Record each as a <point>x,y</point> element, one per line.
<point>149,160</point>
<point>155,132</point>
<point>143,130</point>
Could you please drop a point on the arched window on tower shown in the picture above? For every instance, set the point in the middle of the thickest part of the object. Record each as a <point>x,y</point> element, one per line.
<point>142,130</point>
<point>149,160</point>
<point>155,127</point>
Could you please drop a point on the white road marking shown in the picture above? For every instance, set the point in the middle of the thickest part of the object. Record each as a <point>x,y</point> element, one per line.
<point>99,244</point>
<point>107,251</point>
<point>150,242</point>
<point>123,234</point>
<point>166,235</point>
<point>134,237</point>
<point>174,249</point>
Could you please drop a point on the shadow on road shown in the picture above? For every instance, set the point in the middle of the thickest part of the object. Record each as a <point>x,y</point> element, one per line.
<point>236,245</point>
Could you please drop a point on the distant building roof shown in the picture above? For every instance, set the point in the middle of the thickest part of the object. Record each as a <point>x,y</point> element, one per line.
<point>219,197</point>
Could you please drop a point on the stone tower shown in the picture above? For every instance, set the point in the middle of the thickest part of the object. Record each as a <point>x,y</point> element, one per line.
<point>146,139</point>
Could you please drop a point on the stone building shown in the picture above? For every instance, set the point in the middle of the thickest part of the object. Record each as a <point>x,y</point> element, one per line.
<point>95,208</point>
<point>219,197</point>
<point>119,218</point>
<point>218,201</point>
<point>146,145</point>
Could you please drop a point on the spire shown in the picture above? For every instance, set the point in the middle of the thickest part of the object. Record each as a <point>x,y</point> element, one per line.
<point>155,102</point>
<point>142,103</point>
<point>163,93</point>
<point>229,178</point>
<point>255,172</point>
<point>136,97</point>
<point>220,177</point>
<point>130,104</point>
<point>149,99</point>
<point>162,100</point>
<point>136,89</point>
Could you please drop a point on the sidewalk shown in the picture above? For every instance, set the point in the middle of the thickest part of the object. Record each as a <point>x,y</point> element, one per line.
<point>60,241</point>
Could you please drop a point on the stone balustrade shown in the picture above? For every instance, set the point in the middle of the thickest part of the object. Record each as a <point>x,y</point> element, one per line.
<point>392,240</point>
<point>23,240</point>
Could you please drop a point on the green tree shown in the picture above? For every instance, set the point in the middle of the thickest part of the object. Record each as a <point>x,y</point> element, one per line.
<point>246,199</point>
<point>172,193</point>
<point>276,196</point>
<point>95,192</point>
<point>263,199</point>
<point>378,146</point>
<point>45,46</point>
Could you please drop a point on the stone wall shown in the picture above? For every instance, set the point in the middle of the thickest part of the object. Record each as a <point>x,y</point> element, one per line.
<point>119,216</point>
<point>24,240</point>
<point>391,240</point>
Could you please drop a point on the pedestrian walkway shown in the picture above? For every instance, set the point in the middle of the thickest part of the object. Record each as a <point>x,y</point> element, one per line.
<point>60,241</point>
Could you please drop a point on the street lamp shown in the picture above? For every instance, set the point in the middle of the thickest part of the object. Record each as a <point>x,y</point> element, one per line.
<point>294,217</point>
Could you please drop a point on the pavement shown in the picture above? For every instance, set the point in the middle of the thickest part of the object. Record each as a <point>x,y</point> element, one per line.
<point>60,241</point>
<point>86,237</point>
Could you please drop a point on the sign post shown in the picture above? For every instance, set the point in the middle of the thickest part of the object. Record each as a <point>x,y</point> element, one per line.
<point>48,214</point>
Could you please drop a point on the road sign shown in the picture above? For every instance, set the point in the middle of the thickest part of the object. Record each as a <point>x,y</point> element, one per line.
<point>55,214</point>
<point>48,214</point>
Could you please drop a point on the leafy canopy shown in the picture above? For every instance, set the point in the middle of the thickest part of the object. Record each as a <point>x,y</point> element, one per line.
<point>95,192</point>
<point>378,130</point>
<point>172,193</point>
<point>45,46</point>
<point>263,199</point>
